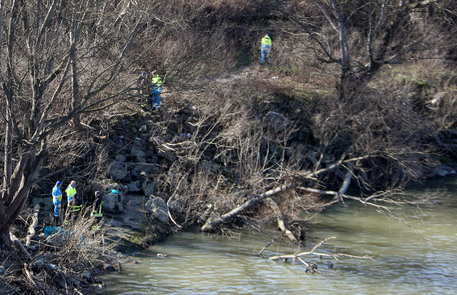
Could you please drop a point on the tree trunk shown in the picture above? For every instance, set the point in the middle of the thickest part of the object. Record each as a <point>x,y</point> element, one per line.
<point>5,241</point>
<point>20,246</point>
<point>214,221</point>
<point>75,99</point>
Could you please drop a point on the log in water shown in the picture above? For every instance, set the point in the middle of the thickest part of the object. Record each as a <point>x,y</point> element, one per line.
<point>405,261</point>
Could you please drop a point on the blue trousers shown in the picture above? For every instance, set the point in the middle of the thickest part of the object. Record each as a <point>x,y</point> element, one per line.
<point>265,53</point>
<point>57,206</point>
<point>156,97</point>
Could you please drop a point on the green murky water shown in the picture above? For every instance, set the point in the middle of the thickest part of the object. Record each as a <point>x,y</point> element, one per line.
<point>405,262</point>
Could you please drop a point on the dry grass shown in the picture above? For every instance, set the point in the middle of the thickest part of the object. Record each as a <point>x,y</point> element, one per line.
<point>59,259</point>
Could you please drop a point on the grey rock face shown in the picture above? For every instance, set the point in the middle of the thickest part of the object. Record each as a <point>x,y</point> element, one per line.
<point>118,171</point>
<point>158,208</point>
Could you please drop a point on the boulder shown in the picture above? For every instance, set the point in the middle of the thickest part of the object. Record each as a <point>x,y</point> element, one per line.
<point>121,158</point>
<point>443,170</point>
<point>118,171</point>
<point>45,203</point>
<point>176,204</point>
<point>110,267</point>
<point>138,154</point>
<point>278,122</point>
<point>209,166</point>
<point>148,187</point>
<point>86,275</point>
<point>167,155</point>
<point>134,186</point>
<point>74,283</point>
<point>158,208</point>
<point>113,203</point>
<point>140,170</point>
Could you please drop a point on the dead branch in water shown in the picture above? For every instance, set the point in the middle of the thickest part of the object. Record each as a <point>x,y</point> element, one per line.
<point>20,246</point>
<point>280,219</point>
<point>215,220</point>
<point>269,243</point>
<point>311,266</point>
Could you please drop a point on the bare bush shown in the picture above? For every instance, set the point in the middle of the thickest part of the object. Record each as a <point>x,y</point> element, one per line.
<point>83,242</point>
<point>60,259</point>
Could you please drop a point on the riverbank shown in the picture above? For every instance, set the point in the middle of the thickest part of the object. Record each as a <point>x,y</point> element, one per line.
<point>70,255</point>
<point>122,234</point>
<point>199,158</point>
<point>404,261</point>
<point>236,144</point>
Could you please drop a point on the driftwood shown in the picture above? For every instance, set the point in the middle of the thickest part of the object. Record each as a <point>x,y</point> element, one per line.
<point>29,276</point>
<point>268,245</point>
<point>31,229</point>
<point>169,202</point>
<point>311,266</point>
<point>213,221</point>
<point>281,223</point>
<point>168,211</point>
<point>20,246</point>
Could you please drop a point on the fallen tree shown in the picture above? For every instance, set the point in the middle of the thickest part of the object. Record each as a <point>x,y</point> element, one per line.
<point>213,221</point>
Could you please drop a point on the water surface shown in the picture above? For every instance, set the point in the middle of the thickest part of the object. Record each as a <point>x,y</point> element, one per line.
<point>406,261</point>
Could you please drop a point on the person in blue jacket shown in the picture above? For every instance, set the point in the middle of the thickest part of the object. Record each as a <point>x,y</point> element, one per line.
<point>57,199</point>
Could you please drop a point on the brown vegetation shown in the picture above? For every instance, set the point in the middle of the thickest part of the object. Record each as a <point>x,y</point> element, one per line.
<point>360,95</point>
<point>60,261</point>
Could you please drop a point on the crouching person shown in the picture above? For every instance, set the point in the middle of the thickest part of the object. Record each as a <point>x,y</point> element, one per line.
<point>97,208</point>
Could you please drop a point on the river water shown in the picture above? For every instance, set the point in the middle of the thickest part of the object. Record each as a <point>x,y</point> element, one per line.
<point>417,255</point>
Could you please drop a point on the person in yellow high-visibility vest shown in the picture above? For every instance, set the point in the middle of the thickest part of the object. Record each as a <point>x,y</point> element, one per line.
<point>74,205</point>
<point>156,90</point>
<point>71,192</point>
<point>265,49</point>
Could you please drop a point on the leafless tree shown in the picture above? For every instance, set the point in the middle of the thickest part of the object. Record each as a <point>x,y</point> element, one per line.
<point>362,36</point>
<point>51,71</point>
<point>61,60</point>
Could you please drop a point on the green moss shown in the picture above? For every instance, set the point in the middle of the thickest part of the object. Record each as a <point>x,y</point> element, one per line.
<point>419,82</point>
<point>136,238</point>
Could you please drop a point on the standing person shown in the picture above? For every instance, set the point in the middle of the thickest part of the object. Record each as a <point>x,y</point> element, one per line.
<point>74,204</point>
<point>57,200</point>
<point>71,192</point>
<point>97,206</point>
<point>265,49</point>
<point>156,89</point>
